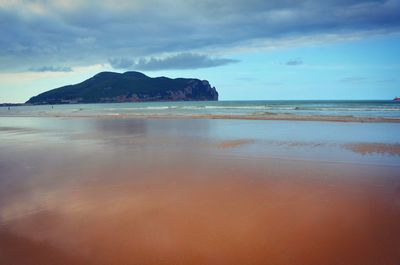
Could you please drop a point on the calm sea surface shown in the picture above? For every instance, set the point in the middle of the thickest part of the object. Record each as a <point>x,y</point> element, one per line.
<point>364,108</point>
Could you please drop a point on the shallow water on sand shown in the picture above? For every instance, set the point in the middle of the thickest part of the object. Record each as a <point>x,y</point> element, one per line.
<point>117,191</point>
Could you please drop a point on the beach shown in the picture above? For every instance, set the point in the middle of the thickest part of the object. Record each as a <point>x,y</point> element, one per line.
<point>164,189</point>
<point>199,132</point>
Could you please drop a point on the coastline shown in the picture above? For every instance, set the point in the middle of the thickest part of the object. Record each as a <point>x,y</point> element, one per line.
<point>266,116</point>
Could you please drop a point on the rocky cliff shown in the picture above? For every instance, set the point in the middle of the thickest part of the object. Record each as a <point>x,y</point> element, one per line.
<point>110,87</point>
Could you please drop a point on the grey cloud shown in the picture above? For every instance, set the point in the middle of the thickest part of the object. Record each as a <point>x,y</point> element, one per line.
<point>294,62</point>
<point>178,61</point>
<point>121,63</point>
<point>72,33</point>
<point>50,69</point>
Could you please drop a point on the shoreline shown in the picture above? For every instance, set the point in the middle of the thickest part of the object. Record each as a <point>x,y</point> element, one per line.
<point>269,116</point>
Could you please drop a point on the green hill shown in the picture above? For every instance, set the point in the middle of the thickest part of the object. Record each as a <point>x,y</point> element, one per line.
<point>128,87</point>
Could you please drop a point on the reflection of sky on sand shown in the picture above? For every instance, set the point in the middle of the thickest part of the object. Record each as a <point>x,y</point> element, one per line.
<point>198,192</point>
<point>230,212</point>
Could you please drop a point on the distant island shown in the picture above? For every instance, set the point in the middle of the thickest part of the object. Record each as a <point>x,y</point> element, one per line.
<point>110,87</point>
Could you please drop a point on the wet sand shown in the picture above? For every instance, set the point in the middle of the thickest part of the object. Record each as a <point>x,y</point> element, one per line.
<point>234,143</point>
<point>370,148</point>
<point>264,116</point>
<point>106,191</point>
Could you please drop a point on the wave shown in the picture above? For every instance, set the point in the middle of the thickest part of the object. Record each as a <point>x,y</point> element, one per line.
<point>346,109</point>
<point>277,108</point>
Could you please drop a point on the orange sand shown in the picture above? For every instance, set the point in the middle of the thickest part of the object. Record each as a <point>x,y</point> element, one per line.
<point>228,212</point>
<point>379,148</point>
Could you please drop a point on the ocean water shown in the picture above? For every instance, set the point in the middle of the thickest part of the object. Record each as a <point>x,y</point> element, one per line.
<point>359,108</point>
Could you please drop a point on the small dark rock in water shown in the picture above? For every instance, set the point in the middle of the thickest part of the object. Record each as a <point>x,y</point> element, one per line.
<point>110,87</point>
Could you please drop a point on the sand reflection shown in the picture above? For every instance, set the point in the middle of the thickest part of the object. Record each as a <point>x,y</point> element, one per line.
<point>224,214</point>
<point>164,201</point>
<point>375,148</point>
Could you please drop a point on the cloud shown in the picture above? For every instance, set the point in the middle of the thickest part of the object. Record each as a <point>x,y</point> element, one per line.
<point>121,63</point>
<point>178,61</point>
<point>294,62</point>
<point>50,69</point>
<point>70,32</point>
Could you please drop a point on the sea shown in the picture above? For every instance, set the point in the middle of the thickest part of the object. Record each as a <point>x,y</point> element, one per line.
<point>355,108</point>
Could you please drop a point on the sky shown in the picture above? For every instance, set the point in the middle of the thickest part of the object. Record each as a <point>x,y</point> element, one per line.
<point>247,49</point>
